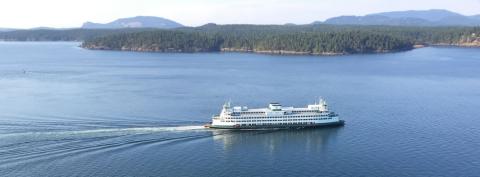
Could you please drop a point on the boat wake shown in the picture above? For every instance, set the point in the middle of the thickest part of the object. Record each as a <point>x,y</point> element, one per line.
<point>17,147</point>
<point>79,134</point>
<point>132,130</point>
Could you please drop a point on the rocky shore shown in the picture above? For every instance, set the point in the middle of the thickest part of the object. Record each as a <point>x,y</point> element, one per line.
<point>470,42</point>
<point>273,52</point>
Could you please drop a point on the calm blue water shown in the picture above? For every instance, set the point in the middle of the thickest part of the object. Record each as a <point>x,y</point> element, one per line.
<point>65,111</point>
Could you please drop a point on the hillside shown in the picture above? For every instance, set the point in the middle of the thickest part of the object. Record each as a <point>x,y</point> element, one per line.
<point>434,17</point>
<point>6,29</point>
<point>278,39</point>
<point>135,22</point>
<point>62,35</point>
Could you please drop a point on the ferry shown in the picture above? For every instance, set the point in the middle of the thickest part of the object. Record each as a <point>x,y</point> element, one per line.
<point>275,116</point>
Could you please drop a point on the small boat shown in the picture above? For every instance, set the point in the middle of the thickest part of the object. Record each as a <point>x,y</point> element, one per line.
<point>208,125</point>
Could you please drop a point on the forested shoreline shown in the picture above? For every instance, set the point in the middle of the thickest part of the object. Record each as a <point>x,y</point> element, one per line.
<point>63,34</point>
<point>279,39</point>
<point>275,39</point>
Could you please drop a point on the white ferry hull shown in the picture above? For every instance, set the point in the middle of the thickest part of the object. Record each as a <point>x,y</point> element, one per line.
<point>275,116</point>
<point>316,125</point>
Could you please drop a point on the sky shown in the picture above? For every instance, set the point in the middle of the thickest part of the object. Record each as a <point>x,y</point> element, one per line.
<point>72,13</point>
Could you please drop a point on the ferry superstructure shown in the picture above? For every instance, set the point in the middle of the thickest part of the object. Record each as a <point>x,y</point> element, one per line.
<point>275,116</point>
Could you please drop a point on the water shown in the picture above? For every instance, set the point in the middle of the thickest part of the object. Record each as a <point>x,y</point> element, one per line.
<point>65,111</point>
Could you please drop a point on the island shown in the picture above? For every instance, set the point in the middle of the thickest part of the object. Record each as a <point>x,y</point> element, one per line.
<point>311,39</point>
<point>287,39</point>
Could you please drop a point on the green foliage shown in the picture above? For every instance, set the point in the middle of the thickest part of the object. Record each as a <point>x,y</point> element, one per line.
<point>305,39</point>
<point>62,35</point>
<point>164,41</point>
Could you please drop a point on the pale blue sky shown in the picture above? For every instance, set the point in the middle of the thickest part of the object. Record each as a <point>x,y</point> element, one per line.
<point>72,13</point>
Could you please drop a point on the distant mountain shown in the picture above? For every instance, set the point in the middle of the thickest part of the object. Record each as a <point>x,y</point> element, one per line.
<point>135,22</point>
<point>476,17</point>
<point>434,17</point>
<point>6,29</point>
<point>48,28</point>
<point>429,15</point>
<point>376,20</point>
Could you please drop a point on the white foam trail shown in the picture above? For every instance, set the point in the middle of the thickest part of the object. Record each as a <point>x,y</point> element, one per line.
<point>179,128</point>
<point>109,131</point>
<point>136,129</point>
